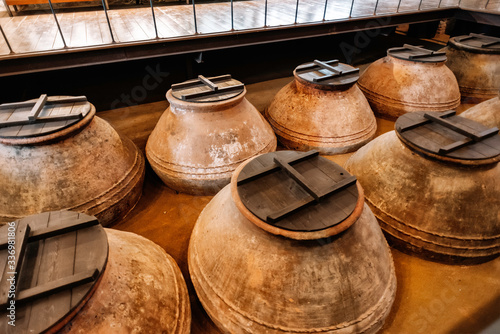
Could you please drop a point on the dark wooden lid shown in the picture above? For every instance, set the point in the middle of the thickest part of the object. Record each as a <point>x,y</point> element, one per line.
<point>59,258</point>
<point>41,117</point>
<point>477,43</point>
<point>297,191</point>
<point>328,73</point>
<point>417,54</point>
<point>448,137</point>
<point>212,89</point>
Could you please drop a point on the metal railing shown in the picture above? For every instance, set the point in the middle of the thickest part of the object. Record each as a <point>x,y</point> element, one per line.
<point>483,5</point>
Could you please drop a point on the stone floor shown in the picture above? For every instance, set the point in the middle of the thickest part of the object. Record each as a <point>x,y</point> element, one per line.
<point>431,297</point>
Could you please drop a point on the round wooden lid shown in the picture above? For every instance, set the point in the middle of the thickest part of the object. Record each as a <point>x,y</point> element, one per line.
<point>448,137</point>
<point>212,89</point>
<point>42,116</point>
<point>58,259</point>
<point>477,43</point>
<point>417,54</point>
<point>298,195</point>
<point>328,74</point>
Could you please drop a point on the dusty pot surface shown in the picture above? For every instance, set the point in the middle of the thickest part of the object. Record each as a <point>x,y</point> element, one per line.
<point>256,279</point>
<point>86,279</point>
<point>322,110</point>
<point>442,208</point>
<point>198,143</point>
<point>85,166</point>
<point>486,113</point>
<point>475,61</point>
<point>409,79</point>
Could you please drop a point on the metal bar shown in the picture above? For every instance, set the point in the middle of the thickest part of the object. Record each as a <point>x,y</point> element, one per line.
<point>232,16</point>
<point>326,6</point>
<point>265,14</point>
<point>6,40</point>
<point>154,18</point>
<point>352,6</point>
<point>109,23</point>
<point>420,4</point>
<point>57,22</point>
<point>399,4</point>
<point>194,16</point>
<point>487,3</point>
<point>375,10</point>
<point>439,5</point>
<point>296,11</point>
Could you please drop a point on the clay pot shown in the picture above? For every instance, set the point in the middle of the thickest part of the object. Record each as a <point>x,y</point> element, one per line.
<point>476,68</point>
<point>395,85</point>
<point>256,279</point>
<point>196,146</point>
<point>86,167</point>
<point>486,113</point>
<point>435,207</point>
<point>142,291</point>
<point>331,116</point>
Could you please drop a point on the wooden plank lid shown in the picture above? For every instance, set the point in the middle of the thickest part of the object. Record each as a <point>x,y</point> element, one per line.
<point>51,265</point>
<point>477,43</point>
<point>212,89</point>
<point>328,74</point>
<point>42,116</point>
<point>417,54</point>
<point>448,137</point>
<point>297,195</point>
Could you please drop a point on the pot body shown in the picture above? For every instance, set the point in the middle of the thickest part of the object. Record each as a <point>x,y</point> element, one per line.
<point>436,210</point>
<point>251,281</point>
<point>141,291</point>
<point>90,169</point>
<point>394,87</point>
<point>486,113</point>
<point>306,116</point>
<point>478,74</point>
<point>195,147</point>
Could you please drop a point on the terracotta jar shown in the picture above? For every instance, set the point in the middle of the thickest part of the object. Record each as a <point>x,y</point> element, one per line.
<point>80,278</point>
<point>409,79</point>
<point>486,113</point>
<point>322,109</point>
<point>475,61</point>
<point>61,156</point>
<point>435,191</point>
<point>206,132</point>
<point>264,258</point>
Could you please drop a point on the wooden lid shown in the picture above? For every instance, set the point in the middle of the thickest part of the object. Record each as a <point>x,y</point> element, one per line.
<point>448,137</point>
<point>298,195</point>
<point>59,258</point>
<point>212,89</point>
<point>328,74</point>
<point>417,54</point>
<point>477,43</point>
<point>46,115</point>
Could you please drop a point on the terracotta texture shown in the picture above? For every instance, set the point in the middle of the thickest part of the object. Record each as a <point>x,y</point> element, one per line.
<point>141,291</point>
<point>437,210</point>
<point>486,113</point>
<point>87,167</point>
<point>478,74</point>
<point>307,116</point>
<point>195,147</point>
<point>394,87</point>
<point>252,281</point>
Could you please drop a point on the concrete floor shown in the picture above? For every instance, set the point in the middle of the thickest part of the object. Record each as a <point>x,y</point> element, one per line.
<point>431,297</point>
